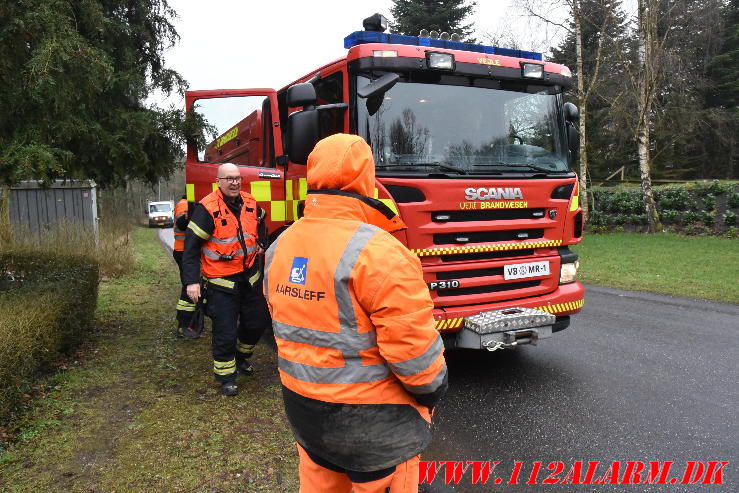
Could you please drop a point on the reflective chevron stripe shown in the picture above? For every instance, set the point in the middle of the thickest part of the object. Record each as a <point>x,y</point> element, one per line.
<point>427,252</point>
<point>449,323</point>
<point>562,307</point>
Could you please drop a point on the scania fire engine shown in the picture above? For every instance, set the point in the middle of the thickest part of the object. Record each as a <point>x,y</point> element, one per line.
<point>473,148</point>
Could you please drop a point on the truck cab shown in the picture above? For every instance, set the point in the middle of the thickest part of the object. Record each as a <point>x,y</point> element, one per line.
<point>474,148</point>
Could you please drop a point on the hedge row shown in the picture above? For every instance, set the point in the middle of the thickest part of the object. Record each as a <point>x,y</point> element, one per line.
<point>47,304</point>
<point>709,208</point>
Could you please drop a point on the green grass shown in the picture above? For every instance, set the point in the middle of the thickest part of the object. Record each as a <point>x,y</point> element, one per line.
<point>695,267</point>
<point>137,409</point>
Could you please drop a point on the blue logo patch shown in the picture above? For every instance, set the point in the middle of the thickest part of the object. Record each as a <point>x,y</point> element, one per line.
<point>297,272</point>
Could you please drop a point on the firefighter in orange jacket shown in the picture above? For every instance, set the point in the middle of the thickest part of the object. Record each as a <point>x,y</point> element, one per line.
<point>185,307</point>
<point>224,239</point>
<point>360,361</point>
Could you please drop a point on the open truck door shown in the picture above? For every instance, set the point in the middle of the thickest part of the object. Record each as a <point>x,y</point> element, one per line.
<point>238,126</point>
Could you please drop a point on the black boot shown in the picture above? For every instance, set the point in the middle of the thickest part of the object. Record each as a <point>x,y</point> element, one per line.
<point>190,333</point>
<point>229,388</point>
<point>244,367</point>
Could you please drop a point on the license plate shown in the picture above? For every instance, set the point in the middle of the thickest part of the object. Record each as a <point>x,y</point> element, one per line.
<point>529,269</point>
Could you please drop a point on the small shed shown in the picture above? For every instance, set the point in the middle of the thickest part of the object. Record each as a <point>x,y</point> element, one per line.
<point>35,208</point>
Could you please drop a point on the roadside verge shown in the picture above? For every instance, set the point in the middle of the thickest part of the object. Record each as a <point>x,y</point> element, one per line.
<point>137,410</point>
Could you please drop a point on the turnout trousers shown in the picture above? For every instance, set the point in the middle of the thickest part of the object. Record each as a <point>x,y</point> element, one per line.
<point>240,316</point>
<point>185,307</point>
<point>329,478</point>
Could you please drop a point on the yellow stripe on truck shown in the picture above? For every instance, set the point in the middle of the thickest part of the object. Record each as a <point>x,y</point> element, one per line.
<point>261,191</point>
<point>427,252</point>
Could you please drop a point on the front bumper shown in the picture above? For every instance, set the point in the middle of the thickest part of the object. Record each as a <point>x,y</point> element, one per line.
<point>566,300</point>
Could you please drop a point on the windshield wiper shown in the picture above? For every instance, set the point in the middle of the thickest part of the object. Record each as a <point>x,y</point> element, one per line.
<point>524,165</point>
<point>446,167</point>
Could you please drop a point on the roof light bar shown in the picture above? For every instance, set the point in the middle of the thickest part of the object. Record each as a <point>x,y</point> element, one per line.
<point>362,37</point>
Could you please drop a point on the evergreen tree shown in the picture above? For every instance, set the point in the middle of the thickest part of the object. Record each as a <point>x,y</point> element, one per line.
<point>74,79</point>
<point>410,16</point>
<point>724,69</point>
<point>691,139</point>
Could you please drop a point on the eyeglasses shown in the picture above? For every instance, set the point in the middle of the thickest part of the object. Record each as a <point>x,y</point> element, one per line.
<point>230,179</point>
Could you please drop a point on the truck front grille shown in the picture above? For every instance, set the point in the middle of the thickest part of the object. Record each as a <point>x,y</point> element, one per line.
<point>487,255</point>
<point>487,236</point>
<point>491,288</point>
<point>487,215</point>
<point>464,274</point>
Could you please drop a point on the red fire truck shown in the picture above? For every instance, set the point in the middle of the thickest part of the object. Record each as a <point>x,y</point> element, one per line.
<point>473,147</point>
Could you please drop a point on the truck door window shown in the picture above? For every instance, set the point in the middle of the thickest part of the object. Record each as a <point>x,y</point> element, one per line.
<point>236,130</point>
<point>330,90</point>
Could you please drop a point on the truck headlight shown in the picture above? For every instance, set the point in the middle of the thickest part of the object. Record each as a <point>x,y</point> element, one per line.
<point>568,272</point>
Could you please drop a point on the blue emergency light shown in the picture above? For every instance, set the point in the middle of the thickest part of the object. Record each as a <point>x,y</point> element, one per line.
<point>362,37</point>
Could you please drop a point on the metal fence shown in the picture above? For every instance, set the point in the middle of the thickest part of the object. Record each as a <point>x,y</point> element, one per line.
<point>35,208</point>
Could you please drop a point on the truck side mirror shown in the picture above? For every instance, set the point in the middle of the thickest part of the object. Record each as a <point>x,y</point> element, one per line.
<point>379,86</point>
<point>573,140</point>
<point>302,134</point>
<point>572,114</point>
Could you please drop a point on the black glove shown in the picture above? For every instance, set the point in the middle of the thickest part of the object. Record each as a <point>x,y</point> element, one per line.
<point>182,222</point>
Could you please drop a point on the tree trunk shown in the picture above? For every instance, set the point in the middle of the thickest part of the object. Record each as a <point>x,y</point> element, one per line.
<point>583,109</point>
<point>647,79</point>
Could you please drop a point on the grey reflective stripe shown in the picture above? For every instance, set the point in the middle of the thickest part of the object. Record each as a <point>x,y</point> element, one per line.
<point>429,387</point>
<point>347,317</point>
<point>347,340</point>
<point>321,338</point>
<point>211,254</point>
<point>343,375</point>
<point>268,256</point>
<point>224,241</point>
<point>419,363</point>
<point>235,254</point>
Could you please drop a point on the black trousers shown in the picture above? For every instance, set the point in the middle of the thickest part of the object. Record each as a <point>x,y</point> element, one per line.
<point>240,317</point>
<point>185,307</point>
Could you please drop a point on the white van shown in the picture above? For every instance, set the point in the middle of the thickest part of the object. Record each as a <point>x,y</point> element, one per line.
<point>161,213</point>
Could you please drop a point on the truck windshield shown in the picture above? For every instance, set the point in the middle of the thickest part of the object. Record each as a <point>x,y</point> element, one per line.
<point>464,130</point>
<point>159,208</point>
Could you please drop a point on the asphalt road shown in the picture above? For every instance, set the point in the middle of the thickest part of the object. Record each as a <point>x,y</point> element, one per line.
<point>636,377</point>
<point>166,236</point>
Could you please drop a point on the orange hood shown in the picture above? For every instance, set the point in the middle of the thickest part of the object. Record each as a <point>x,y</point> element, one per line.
<point>344,163</point>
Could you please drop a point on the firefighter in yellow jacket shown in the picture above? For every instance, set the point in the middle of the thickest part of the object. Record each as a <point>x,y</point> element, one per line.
<point>224,239</point>
<point>360,361</point>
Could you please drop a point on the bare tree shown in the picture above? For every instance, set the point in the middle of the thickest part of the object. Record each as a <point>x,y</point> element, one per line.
<point>542,10</point>
<point>647,82</point>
